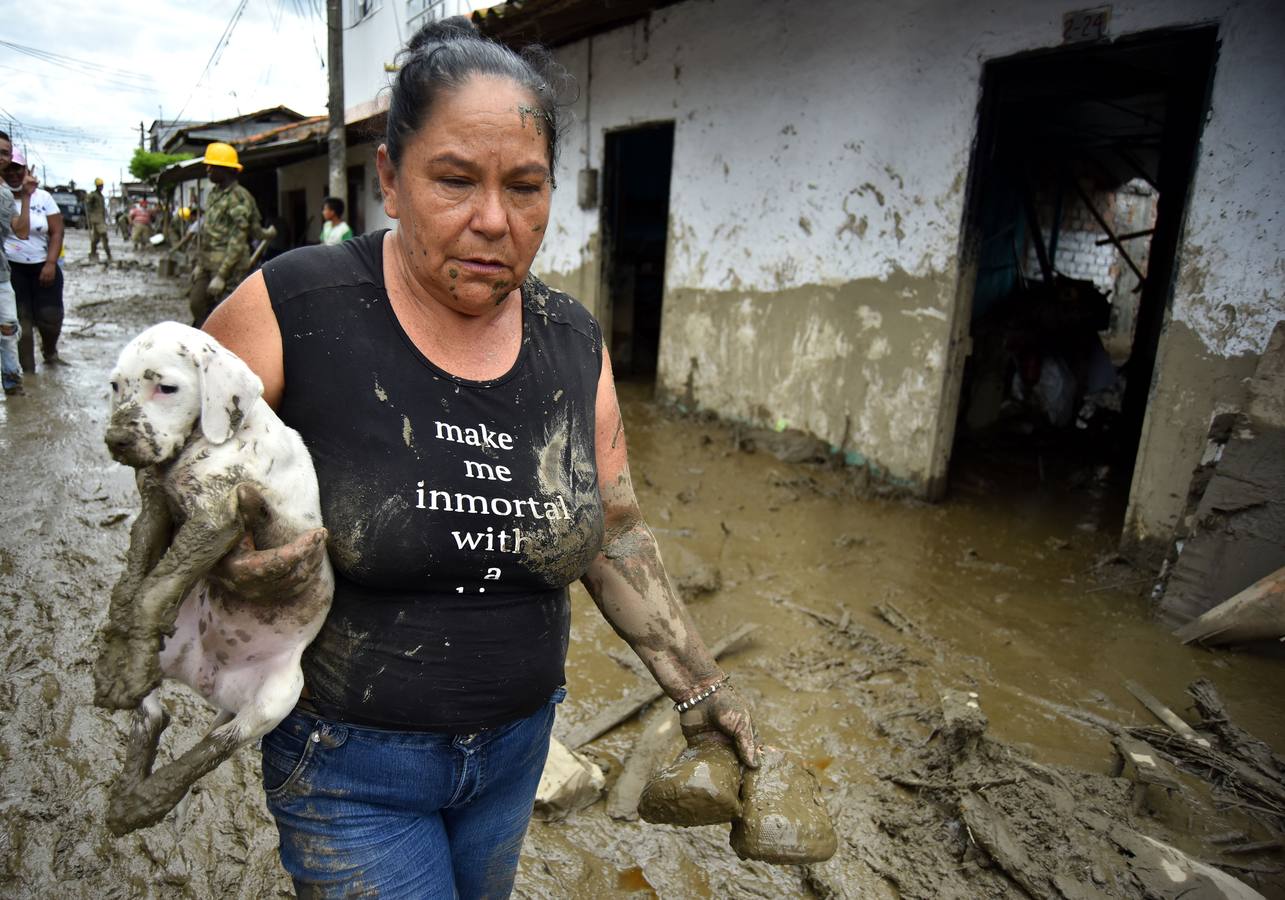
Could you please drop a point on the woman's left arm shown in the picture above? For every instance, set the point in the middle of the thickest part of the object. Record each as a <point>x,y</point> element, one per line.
<point>50,268</point>
<point>628,582</point>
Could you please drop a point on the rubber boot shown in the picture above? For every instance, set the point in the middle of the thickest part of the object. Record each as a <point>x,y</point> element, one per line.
<point>783,819</point>
<point>700,787</point>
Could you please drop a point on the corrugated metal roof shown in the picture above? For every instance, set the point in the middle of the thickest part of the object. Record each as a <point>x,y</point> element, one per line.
<point>554,22</point>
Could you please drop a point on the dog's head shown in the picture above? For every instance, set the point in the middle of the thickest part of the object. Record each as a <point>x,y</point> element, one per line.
<point>167,380</point>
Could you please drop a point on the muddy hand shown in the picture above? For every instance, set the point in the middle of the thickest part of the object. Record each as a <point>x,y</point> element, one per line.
<point>267,575</point>
<point>726,716</point>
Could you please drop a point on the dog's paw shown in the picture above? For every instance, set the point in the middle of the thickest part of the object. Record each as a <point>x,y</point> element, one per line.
<point>123,683</point>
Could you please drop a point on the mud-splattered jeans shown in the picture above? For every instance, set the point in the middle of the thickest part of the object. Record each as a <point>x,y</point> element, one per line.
<point>364,812</point>
<point>10,371</point>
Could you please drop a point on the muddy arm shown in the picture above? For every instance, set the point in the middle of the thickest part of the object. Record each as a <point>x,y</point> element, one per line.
<point>197,545</point>
<point>627,581</point>
<point>147,541</point>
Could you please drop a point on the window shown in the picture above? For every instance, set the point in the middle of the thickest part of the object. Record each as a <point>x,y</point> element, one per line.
<point>418,12</point>
<point>363,9</point>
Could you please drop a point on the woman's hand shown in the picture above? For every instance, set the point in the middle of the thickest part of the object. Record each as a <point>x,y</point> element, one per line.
<point>266,575</point>
<point>726,716</point>
<point>275,574</point>
<point>47,272</point>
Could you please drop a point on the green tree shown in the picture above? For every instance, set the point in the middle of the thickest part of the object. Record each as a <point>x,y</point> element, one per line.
<point>146,165</point>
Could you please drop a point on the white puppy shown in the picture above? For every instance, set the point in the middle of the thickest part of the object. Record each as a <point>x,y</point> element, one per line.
<point>213,459</point>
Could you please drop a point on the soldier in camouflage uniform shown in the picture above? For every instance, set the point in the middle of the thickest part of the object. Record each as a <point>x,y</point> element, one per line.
<point>96,220</point>
<point>230,221</point>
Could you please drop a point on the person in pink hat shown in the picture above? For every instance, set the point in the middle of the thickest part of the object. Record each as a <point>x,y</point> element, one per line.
<point>15,219</point>
<point>34,270</point>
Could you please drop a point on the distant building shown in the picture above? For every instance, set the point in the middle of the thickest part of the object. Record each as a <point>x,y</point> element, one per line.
<point>192,137</point>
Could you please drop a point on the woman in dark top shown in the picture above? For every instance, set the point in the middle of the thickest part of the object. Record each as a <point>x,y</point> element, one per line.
<point>468,443</point>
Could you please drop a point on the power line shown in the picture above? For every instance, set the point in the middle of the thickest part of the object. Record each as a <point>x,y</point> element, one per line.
<point>223,41</point>
<point>102,75</point>
<point>72,60</point>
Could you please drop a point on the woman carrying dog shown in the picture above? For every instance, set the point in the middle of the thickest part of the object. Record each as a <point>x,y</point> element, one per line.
<point>463,422</point>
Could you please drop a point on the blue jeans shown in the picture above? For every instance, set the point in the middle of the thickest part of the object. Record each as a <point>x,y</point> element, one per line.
<point>364,812</point>
<point>10,371</point>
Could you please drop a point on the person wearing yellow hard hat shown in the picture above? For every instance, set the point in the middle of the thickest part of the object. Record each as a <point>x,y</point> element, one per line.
<point>96,220</point>
<point>231,220</point>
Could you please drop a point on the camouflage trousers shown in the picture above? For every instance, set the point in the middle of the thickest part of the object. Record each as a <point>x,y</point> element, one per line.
<point>199,299</point>
<point>98,232</point>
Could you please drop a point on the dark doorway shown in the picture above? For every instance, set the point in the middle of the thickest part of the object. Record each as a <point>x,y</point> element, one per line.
<point>1077,194</point>
<point>296,216</point>
<point>635,225</point>
<point>355,207</point>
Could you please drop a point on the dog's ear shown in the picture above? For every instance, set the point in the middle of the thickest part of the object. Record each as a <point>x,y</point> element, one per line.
<point>228,389</point>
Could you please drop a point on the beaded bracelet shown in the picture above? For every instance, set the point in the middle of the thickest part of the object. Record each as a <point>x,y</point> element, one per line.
<point>704,694</point>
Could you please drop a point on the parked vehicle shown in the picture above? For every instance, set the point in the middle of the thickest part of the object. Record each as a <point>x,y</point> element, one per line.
<point>73,211</point>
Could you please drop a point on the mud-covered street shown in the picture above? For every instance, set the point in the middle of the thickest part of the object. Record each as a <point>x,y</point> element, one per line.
<point>869,611</point>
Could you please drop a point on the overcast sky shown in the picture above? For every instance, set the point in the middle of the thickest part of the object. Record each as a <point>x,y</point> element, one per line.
<point>120,63</point>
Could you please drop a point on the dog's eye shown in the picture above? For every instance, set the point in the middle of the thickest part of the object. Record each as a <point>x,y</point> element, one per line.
<point>115,387</point>
<point>167,388</point>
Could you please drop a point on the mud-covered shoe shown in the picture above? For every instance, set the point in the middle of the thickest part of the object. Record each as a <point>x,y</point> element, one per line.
<point>15,390</point>
<point>783,819</point>
<point>701,787</point>
<point>55,361</point>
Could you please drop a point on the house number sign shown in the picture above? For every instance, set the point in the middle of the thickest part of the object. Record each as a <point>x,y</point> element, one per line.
<point>1086,25</point>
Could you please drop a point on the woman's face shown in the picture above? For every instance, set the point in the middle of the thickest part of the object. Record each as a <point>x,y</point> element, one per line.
<point>13,174</point>
<point>472,194</point>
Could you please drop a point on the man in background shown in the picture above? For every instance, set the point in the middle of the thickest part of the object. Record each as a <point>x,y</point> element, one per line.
<point>336,230</point>
<point>96,219</point>
<point>229,223</point>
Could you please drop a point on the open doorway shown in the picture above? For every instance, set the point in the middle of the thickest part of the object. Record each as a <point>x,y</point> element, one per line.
<point>635,225</point>
<point>1077,194</point>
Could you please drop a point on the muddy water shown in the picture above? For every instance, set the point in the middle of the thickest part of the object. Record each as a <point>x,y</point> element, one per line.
<point>1006,590</point>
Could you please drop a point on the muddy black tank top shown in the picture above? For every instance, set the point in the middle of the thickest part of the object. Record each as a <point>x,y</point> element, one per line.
<point>459,511</point>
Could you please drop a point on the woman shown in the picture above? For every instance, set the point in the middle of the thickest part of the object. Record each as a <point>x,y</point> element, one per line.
<point>35,273</point>
<point>464,425</point>
<point>15,220</point>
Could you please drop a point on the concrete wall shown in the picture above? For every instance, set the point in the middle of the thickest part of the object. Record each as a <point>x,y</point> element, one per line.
<point>817,197</point>
<point>369,44</point>
<point>312,176</point>
<point>372,204</point>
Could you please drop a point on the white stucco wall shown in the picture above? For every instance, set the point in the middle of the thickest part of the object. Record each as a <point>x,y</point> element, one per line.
<point>827,144</point>
<point>313,177</point>
<point>374,41</point>
<point>369,44</point>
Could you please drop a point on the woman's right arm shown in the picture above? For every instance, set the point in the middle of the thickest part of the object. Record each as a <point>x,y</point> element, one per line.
<point>246,325</point>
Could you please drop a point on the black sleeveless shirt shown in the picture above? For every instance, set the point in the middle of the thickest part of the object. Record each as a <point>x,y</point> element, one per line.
<point>459,511</point>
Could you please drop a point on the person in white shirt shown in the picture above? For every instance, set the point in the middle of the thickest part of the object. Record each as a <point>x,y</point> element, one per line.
<point>336,230</point>
<point>15,219</point>
<point>35,273</point>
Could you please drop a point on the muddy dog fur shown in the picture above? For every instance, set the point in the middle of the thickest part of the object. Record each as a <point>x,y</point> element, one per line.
<point>213,461</point>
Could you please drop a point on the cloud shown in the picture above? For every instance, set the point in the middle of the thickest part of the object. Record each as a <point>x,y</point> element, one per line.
<point>135,62</point>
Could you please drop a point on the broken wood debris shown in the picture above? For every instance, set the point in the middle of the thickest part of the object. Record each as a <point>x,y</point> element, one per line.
<point>1165,714</point>
<point>1243,744</point>
<point>655,744</point>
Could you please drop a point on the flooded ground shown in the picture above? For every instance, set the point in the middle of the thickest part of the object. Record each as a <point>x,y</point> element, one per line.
<point>868,610</point>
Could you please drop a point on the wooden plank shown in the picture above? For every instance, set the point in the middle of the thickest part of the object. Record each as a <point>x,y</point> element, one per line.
<point>1165,714</point>
<point>661,733</point>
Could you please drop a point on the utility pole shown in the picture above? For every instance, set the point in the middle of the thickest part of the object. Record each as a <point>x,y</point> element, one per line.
<point>140,135</point>
<point>335,70</point>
